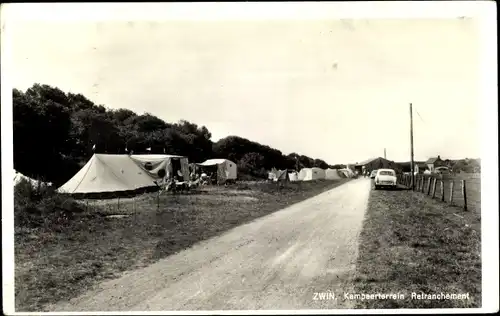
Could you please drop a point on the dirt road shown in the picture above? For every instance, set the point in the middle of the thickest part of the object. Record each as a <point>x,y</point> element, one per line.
<point>276,262</point>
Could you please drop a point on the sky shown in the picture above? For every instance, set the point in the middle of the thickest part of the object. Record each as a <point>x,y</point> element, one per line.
<point>338,90</point>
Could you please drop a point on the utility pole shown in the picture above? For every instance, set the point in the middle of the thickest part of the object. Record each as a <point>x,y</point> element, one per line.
<point>385,156</point>
<point>411,144</point>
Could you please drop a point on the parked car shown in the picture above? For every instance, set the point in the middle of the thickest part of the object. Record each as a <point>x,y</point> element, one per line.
<point>385,178</point>
<point>373,174</point>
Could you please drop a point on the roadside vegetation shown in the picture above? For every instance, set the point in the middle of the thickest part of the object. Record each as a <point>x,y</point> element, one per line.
<point>411,243</point>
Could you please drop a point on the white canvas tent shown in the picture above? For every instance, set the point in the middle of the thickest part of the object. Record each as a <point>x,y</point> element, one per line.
<point>348,173</point>
<point>273,174</point>
<point>226,169</point>
<point>154,163</point>
<point>293,176</point>
<point>307,174</point>
<point>106,174</point>
<point>19,176</point>
<point>332,174</point>
<point>279,175</point>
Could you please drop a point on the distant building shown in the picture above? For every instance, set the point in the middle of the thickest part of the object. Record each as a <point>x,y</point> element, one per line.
<point>406,166</point>
<point>433,163</point>
<point>375,164</point>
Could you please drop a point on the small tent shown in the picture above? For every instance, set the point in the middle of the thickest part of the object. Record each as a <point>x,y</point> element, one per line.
<point>170,164</point>
<point>279,175</point>
<point>226,169</point>
<point>273,174</point>
<point>282,175</point>
<point>348,173</point>
<point>108,174</point>
<point>19,176</point>
<point>307,174</point>
<point>293,176</point>
<point>332,174</point>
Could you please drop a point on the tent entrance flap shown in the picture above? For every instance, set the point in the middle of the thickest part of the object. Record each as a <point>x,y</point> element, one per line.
<point>176,168</point>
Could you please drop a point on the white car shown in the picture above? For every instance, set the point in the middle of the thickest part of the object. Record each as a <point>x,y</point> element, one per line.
<point>386,178</point>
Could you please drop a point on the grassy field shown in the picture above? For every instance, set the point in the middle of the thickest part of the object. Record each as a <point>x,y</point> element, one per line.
<point>60,254</point>
<point>473,189</point>
<point>411,243</point>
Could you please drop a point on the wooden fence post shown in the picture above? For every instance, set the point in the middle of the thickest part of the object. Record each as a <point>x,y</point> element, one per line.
<point>429,186</point>
<point>434,187</point>
<point>451,191</point>
<point>442,190</point>
<point>464,193</point>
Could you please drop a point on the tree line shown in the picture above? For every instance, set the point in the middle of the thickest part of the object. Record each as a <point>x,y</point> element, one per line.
<point>55,133</point>
<point>461,165</point>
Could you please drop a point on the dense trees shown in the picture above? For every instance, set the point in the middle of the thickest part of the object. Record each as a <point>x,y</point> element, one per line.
<point>55,133</point>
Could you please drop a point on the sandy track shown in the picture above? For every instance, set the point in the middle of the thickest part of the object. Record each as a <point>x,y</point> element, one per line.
<point>275,262</point>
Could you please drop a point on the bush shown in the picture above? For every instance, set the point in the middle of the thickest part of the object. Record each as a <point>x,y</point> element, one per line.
<point>43,207</point>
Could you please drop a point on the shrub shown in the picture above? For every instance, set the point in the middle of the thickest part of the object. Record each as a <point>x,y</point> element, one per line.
<point>43,207</point>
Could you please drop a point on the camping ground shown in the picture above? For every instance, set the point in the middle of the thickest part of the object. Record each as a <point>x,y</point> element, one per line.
<point>64,252</point>
<point>412,243</point>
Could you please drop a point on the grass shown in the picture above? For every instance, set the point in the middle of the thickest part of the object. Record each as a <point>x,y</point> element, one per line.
<point>412,243</point>
<point>63,248</point>
<point>473,190</point>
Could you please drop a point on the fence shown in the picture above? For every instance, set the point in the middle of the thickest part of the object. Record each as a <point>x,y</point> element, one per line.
<point>463,190</point>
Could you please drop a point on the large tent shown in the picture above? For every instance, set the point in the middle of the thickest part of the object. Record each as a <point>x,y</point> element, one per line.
<point>171,164</point>
<point>332,174</point>
<point>307,174</point>
<point>226,169</point>
<point>108,174</point>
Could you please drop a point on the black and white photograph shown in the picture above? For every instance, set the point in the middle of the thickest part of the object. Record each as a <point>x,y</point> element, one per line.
<point>249,157</point>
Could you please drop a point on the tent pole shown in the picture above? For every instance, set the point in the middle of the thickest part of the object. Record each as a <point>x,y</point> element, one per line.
<point>411,144</point>
<point>134,209</point>
<point>158,201</point>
